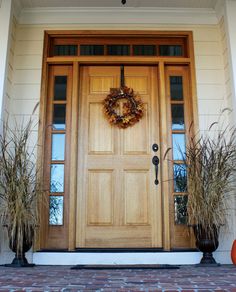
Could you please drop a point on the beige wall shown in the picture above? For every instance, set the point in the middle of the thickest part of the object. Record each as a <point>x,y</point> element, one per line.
<point>212,88</point>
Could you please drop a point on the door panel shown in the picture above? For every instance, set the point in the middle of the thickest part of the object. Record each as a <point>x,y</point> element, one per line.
<point>118,203</point>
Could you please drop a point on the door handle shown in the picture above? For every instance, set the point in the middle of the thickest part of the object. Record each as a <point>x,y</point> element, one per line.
<point>155,161</point>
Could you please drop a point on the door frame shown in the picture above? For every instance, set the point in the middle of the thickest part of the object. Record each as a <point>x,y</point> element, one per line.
<point>76,61</point>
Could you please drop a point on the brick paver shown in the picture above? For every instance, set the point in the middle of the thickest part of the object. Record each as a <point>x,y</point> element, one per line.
<point>62,278</point>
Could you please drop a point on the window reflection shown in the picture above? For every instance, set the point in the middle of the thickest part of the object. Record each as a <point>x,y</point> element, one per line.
<point>57,178</point>
<point>118,50</point>
<point>56,210</point>
<point>180,178</point>
<point>178,143</point>
<point>177,111</point>
<point>59,117</point>
<point>176,87</point>
<point>171,50</point>
<point>58,146</point>
<point>144,50</point>
<point>60,86</point>
<point>65,50</point>
<point>180,203</point>
<point>91,50</point>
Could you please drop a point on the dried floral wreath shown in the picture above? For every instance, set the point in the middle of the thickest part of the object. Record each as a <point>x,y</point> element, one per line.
<point>133,109</point>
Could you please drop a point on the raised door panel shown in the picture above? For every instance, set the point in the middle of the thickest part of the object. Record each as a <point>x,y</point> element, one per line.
<point>136,192</point>
<point>101,134</point>
<point>137,139</point>
<point>102,79</point>
<point>139,83</point>
<point>100,198</point>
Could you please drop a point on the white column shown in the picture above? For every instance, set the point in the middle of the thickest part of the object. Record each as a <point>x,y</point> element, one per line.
<point>5,23</point>
<point>230,25</point>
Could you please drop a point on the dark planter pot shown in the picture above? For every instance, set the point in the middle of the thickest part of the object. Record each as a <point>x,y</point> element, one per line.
<point>20,259</point>
<point>207,242</point>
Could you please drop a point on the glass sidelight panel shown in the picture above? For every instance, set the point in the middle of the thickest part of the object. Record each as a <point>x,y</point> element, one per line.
<point>177,113</point>
<point>180,203</point>
<point>60,85</point>
<point>57,178</point>
<point>180,178</point>
<point>59,117</point>
<point>178,142</point>
<point>56,210</point>
<point>176,87</point>
<point>58,146</point>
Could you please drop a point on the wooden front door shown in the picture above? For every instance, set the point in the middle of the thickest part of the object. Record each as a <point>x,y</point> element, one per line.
<point>118,203</point>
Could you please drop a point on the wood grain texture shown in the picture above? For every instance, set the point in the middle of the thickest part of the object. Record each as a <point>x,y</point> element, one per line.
<point>73,157</point>
<point>117,198</point>
<point>111,200</point>
<point>56,236</point>
<point>180,234</point>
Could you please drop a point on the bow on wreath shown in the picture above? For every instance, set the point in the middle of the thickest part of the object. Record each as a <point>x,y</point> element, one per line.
<point>133,108</point>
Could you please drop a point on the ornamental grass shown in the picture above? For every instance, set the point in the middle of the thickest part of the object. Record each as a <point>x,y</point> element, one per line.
<point>211,166</point>
<point>20,190</point>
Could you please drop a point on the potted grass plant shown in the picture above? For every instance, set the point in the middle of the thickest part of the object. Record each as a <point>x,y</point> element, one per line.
<point>211,165</point>
<point>19,190</point>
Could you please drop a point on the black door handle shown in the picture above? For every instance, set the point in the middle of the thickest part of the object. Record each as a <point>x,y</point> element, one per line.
<point>155,161</point>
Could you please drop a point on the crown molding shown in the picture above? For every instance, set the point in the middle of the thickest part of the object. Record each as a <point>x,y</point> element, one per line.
<point>123,15</point>
<point>220,9</point>
<point>17,9</point>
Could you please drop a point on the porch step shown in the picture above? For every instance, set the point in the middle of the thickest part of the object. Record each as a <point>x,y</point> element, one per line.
<point>116,258</point>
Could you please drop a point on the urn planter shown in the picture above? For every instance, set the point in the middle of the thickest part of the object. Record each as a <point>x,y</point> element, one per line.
<point>207,242</point>
<point>20,260</point>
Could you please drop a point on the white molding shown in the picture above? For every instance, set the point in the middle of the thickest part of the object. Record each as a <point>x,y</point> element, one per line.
<point>17,8</point>
<point>220,9</point>
<point>123,15</point>
<point>89,258</point>
<point>5,27</point>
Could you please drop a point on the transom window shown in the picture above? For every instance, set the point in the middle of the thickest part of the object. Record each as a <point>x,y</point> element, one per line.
<point>158,46</point>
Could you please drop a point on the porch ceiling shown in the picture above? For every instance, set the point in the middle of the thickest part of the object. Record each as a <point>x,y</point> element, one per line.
<point>117,3</point>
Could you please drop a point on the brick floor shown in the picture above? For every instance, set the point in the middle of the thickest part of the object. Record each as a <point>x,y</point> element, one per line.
<point>62,278</point>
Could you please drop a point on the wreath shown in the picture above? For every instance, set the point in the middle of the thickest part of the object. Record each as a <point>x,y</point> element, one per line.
<point>133,108</point>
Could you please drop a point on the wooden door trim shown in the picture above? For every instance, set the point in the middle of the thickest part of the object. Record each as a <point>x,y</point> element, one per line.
<point>105,60</point>
<point>94,60</point>
<point>73,156</point>
<point>165,168</point>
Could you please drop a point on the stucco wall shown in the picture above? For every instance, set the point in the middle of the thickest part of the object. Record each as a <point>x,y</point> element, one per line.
<point>211,74</point>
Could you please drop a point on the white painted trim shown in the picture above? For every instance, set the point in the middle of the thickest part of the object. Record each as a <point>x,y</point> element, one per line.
<point>230,23</point>
<point>219,9</point>
<point>123,15</point>
<point>17,7</point>
<point>73,258</point>
<point>87,258</point>
<point>5,26</point>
